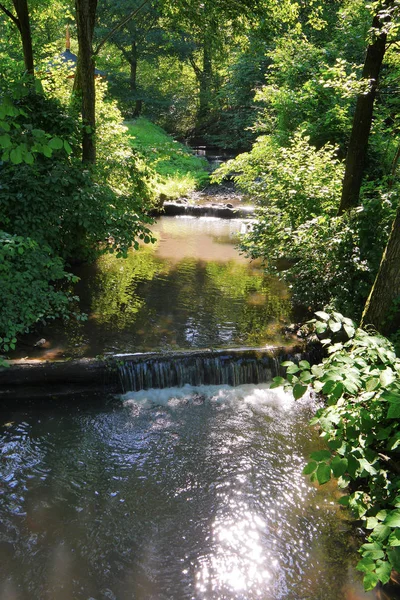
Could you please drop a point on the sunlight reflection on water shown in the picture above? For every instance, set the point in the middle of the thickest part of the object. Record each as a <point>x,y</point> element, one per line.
<point>194,493</point>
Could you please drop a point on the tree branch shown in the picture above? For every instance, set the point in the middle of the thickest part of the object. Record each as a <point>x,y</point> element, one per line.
<point>118,26</point>
<point>12,17</point>
<point>125,54</point>
<point>198,72</point>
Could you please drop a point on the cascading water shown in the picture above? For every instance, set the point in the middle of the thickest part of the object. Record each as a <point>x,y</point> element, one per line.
<point>220,368</point>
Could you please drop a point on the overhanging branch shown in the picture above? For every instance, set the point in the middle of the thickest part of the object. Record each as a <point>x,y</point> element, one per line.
<point>118,26</point>
<point>11,16</point>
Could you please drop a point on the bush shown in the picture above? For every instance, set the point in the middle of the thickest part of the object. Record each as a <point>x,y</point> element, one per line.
<point>48,195</point>
<point>327,260</point>
<point>289,184</point>
<point>332,261</point>
<point>53,208</point>
<point>29,273</point>
<point>360,384</point>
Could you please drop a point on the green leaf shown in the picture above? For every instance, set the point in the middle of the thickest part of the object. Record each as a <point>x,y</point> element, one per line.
<point>382,514</point>
<point>28,158</point>
<point>372,550</point>
<point>393,519</point>
<point>394,558</point>
<point>384,571</point>
<point>320,455</point>
<point>349,330</point>
<point>339,466</point>
<point>334,326</point>
<point>387,377</point>
<point>5,141</point>
<point>394,410</point>
<point>366,565</point>
<point>320,327</point>
<point>67,147</point>
<point>323,315</point>
<point>292,369</point>
<point>383,434</point>
<point>337,391</point>
<point>277,382</point>
<point>317,370</point>
<point>380,532</point>
<point>353,465</point>
<point>56,143</point>
<point>299,391</point>
<point>323,473</point>
<point>394,538</point>
<point>287,363</point>
<point>304,364</point>
<point>328,386</point>
<point>350,386</point>
<point>16,156</point>
<point>370,581</point>
<point>371,522</point>
<point>366,466</point>
<point>372,384</point>
<point>306,376</point>
<point>310,468</point>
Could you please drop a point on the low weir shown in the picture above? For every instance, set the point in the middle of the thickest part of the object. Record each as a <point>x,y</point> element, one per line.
<point>221,211</point>
<point>133,372</point>
<point>225,367</point>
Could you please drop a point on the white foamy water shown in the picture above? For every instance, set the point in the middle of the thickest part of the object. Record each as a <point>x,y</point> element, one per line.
<point>258,397</point>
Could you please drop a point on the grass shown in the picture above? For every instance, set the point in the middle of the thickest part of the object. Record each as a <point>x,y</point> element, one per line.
<point>177,170</point>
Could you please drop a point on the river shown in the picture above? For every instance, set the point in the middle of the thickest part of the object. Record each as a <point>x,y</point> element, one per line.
<point>176,494</point>
<point>192,493</point>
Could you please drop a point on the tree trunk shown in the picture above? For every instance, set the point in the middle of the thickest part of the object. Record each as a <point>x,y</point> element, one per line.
<point>205,79</point>
<point>21,8</point>
<point>386,289</point>
<point>133,79</point>
<point>84,77</point>
<point>133,67</point>
<point>357,150</point>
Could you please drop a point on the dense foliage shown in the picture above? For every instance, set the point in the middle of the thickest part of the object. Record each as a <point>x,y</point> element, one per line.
<point>28,271</point>
<point>52,209</point>
<point>359,382</point>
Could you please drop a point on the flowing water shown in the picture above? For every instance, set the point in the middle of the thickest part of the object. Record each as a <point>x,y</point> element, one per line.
<point>190,290</point>
<point>194,493</point>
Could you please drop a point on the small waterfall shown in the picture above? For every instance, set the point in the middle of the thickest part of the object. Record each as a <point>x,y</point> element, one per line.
<point>233,367</point>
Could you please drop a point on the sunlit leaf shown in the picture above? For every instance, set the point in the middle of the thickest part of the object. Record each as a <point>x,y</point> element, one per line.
<point>323,473</point>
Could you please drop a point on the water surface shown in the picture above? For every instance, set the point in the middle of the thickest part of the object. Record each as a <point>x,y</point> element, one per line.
<point>185,494</point>
<point>190,290</point>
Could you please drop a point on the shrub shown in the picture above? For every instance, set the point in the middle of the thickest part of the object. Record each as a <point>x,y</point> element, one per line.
<point>359,382</point>
<point>29,274</point>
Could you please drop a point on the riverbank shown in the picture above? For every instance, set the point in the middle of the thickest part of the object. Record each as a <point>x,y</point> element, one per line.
<point>176,170</point>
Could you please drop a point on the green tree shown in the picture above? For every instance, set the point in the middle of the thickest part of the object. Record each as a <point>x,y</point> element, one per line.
<point>22,22</point>
<point>138,38</point>
<point>382,307</point>
<point>84,76</point>
<point>382,23</point>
